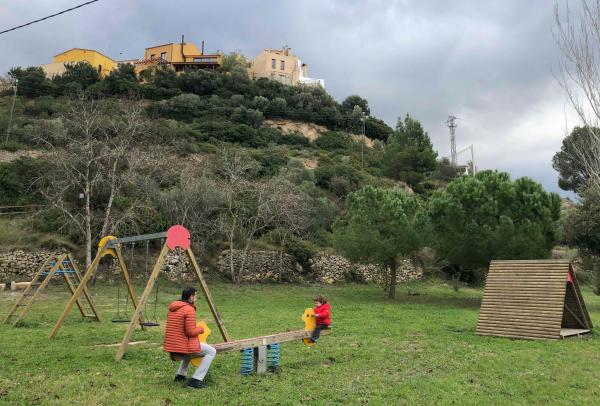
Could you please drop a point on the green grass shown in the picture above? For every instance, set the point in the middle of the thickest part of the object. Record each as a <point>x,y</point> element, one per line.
<point>419,349</point>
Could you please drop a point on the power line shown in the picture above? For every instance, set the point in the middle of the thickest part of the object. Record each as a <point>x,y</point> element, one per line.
<point>47,17</point>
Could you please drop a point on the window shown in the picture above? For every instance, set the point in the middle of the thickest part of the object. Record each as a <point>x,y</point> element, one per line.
<point>282,65</point>
<point>152,57</point>
<point>163,56</point>
<point>99,68</point>
<point>273,64</point>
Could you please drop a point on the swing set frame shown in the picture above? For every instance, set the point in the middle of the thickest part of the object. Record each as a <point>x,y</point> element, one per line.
<point>176,237</point>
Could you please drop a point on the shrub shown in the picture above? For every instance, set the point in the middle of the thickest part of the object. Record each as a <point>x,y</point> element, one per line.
<point>332,140</point>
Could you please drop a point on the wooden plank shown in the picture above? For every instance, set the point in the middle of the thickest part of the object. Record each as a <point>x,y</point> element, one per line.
<point>523,337</point>
<point>580,300</point>
<point>138,311</point>
<point>530,279</point>
<point>237,345</point>
<point>569,332</point>
<point>520,315</point>
<point>521,326</point>
<point>523,292</point>
<point>572,313</point>
<point>525,295</point>
<point>522,300</point>
<point>525,306</point>
<point>523,322</point>
<point>207,295</point>
<point>523,312</point>
<point>518,329</point>
<point>530,262</point>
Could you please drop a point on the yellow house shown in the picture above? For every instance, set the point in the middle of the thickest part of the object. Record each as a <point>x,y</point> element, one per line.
<point>283,66</point>
<point>181,56</point>
<point>103,63</point>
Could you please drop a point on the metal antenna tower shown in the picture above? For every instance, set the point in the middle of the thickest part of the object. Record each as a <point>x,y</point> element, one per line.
<point>452,126</point>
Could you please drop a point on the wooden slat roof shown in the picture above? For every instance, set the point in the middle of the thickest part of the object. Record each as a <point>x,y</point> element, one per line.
<point>524,299</point>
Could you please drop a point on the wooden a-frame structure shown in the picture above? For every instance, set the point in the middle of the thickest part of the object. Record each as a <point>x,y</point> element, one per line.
<point>108,246</point>
<point>53,266</point>
<point>533,300</point>
<point>176,236</point>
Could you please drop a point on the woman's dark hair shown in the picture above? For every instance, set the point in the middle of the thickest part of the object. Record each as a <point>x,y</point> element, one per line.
<point>187,293</point>
<point>320,299</point>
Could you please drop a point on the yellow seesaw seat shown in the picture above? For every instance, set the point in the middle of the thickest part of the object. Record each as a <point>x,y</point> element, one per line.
<point>202,338</point>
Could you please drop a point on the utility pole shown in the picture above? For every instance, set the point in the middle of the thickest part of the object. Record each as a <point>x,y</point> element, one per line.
<point>452,126</point>
<point>363,119</point>
<point>362,144</point>
<point>12,109</point>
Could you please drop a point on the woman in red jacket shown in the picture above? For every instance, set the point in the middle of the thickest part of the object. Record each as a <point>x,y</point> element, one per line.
<point>181,339</point>
<point>322,315</point>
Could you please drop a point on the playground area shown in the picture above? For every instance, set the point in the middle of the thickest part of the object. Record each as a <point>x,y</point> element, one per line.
<point>419,349</point>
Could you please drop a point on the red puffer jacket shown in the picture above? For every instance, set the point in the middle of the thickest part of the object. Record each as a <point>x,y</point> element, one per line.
<point>322,314</point>
<point>181,333</point>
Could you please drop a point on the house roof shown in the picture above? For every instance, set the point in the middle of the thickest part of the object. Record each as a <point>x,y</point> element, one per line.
<point>84,49</point>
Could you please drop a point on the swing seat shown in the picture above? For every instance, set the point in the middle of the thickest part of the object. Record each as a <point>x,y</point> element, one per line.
<point>120,320</point>
<point>150,324</point>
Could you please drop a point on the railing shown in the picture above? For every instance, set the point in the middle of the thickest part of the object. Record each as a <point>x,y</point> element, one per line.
<point>16,210</point>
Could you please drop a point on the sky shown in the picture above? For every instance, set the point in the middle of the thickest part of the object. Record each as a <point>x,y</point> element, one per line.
<point>490,63</point>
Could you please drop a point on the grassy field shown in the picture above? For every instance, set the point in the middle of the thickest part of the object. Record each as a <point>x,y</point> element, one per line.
<point>419,349</point>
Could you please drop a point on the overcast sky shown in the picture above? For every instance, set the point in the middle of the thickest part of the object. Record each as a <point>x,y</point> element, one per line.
<point>488,62</point>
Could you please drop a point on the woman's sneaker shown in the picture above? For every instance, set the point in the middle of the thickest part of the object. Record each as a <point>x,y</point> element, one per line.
<point>179,378</point>
<point>196,383</point>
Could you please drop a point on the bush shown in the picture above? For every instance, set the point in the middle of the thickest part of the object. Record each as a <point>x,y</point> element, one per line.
<point>301,250</point>
<point>332,140</point>
<point>41,106</point>
<point>325,173</point>
<point>271,160</point>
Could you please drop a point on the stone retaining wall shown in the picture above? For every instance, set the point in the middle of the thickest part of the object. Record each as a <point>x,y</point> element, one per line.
<point>271,266</point>
<point>261,266</point>
<point>330,269</point>
<point>20,265</point>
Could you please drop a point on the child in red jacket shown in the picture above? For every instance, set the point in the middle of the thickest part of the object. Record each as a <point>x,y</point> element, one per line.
<point>322,315</point>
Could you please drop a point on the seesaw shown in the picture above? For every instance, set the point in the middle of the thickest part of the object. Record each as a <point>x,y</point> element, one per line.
<point>262,354</point>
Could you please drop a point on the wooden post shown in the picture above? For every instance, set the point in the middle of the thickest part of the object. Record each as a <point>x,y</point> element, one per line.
<point>86,291</point>
<point>35,278</point>
<point>56,266</point>
<point>205,291</point>
<point>157,267</point>
<point>127,280</point>
<point>72,289</point>
<point>75,296</point>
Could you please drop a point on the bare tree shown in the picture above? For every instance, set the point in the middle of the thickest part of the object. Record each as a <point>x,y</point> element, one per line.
<point>253,207</point>
<point>196,201</point>
<point>91,155</point>
<point>578,37</point>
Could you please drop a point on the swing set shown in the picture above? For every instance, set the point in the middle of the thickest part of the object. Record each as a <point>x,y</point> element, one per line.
<point>176,237</point>
<point>122,314</point>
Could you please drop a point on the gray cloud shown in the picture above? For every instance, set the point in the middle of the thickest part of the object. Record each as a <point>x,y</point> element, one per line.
<point>486,62</point>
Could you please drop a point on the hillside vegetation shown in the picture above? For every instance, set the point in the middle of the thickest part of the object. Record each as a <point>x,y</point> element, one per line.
<point>249,163</point>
